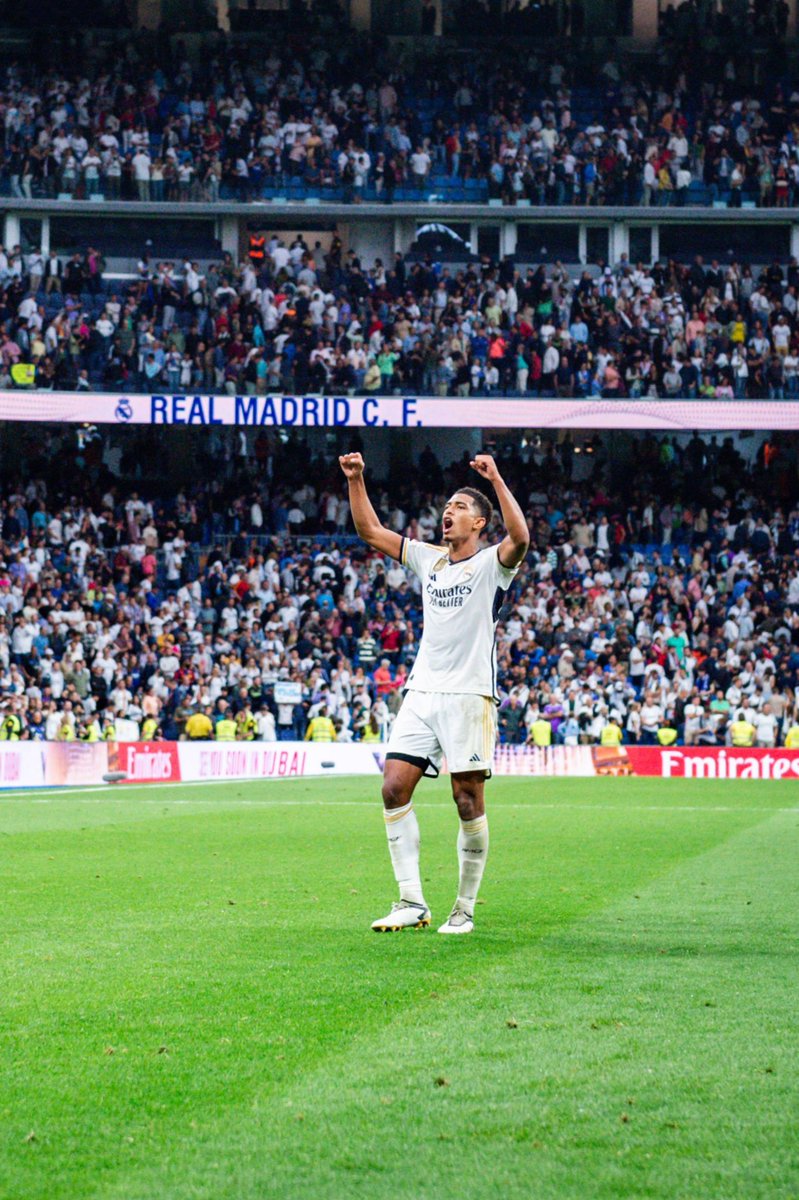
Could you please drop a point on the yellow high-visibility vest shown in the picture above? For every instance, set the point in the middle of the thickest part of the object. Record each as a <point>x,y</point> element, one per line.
<point>321,729</point>
<point>742,733</point>
<point>23,374</point>
<point>611,735</point>
<point>11,728</point>
<point>541,732</point>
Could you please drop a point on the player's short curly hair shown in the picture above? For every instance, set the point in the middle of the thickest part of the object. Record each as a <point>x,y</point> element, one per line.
<point>480,501</point>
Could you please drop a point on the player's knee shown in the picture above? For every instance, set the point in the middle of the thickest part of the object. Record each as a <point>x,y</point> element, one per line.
<point>395,793</point>
<point>469,801</point>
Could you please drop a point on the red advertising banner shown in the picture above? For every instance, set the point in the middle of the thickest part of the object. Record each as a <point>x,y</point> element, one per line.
<point>146,762</point>
<point>674,762</point>
<point>707,762</point>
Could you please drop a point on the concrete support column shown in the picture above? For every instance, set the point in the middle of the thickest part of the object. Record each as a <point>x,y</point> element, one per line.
<point>795,240</point>
<point>474,237</point>
<point>361,14</point>
<point>404,234</point>
<point>619,240</point>
<point>223,15</point>
<point>645,20</point>
<point>146,13</point>
<point>582,242</point>
<point>11,233</point>
<point>655,243</point>
<point>229,236</point>
<point>507,238</point>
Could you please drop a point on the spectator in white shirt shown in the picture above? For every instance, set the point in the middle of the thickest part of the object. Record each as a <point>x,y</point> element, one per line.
<point>765,724</point>
<point>141,173</point>
<point>420,166</point>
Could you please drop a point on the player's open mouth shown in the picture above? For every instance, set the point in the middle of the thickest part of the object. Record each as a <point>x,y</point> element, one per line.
<point>447,524</point>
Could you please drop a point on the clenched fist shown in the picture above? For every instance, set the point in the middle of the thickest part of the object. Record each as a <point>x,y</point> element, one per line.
<point>484,465</point>
<point>351,464</point>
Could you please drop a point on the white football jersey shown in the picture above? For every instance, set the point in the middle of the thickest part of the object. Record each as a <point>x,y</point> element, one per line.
<point>461,603</point>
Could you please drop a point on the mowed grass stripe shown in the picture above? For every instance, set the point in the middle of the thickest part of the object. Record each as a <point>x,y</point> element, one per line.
<point>644,1051</point>
<point>284,983</point>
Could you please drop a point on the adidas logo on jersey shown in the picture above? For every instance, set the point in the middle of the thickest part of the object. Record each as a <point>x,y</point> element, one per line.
<point>475,758</point>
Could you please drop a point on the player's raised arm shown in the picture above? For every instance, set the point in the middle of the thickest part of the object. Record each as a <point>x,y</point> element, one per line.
<point>516,542</point>
<point>367,523</point>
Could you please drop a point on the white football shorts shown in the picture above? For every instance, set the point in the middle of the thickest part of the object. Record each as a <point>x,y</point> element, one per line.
<point>458,726</point>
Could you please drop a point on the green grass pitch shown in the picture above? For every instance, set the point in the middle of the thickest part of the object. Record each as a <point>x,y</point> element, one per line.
<point>192,1004</point>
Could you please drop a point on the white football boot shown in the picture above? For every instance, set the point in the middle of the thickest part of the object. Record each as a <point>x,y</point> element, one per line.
<point>404,915</point>
<point>458,921</point>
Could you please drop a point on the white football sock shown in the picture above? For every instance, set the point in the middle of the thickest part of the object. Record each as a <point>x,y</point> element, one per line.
<point>472,855</point>
<point>402,830</point>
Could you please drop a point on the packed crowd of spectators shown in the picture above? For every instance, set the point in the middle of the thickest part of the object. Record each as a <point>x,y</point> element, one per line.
<point>306,320</point>
<point>669,600</point>
<point>343,118</point>
<point>758,21</point>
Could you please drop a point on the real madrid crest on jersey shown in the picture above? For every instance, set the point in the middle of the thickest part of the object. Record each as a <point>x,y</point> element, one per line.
<point>440,563</point>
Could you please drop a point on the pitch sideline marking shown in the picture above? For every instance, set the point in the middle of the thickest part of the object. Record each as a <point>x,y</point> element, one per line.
<point>242,803</point>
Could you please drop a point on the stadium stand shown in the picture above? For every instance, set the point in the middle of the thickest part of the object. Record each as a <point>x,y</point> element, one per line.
<point>671,601</point>
<point>698,123</point>
<point>301,319</point>
<point>669,597</point>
